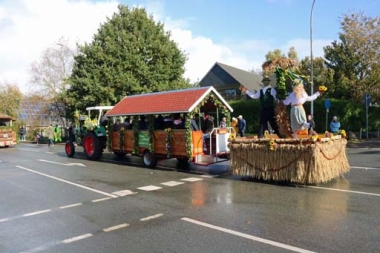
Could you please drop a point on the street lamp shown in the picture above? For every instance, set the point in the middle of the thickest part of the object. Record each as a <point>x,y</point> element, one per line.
<point>311,57</point>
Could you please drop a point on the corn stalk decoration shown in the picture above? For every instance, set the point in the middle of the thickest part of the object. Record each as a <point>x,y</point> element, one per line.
<point>284,69</point>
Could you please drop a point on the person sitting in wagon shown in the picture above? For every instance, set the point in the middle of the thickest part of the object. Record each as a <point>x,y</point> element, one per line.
<point>207,129</point>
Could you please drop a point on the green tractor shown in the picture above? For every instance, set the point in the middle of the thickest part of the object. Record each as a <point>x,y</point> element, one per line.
<point>89,132</point>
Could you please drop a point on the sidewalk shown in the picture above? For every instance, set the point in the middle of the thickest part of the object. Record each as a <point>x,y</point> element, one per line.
<point>364,144</point>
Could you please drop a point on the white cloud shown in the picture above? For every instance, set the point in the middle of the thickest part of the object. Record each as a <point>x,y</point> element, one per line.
<point>28,27</point>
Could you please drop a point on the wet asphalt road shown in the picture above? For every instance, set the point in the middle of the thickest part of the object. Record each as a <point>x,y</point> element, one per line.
<point>51,203</point>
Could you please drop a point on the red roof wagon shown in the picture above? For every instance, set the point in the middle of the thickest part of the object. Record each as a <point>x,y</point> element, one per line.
<point>161,125</point>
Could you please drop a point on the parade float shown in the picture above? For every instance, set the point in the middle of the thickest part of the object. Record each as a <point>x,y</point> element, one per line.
<point>308,159</point>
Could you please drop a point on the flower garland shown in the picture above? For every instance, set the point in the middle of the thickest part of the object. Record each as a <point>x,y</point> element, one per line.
<point>168,142</point>
<point>189,149</point>
<point>135,127</point>
<point>109,136</point>
<point>151,133</point>
<point>121,140</point>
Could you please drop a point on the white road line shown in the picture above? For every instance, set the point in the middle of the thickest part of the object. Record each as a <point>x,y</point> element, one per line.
<point>4,220</point>
<point>250,237</point>
<point>99,200</point>
<point>36,213</point>
<point>364,168</point>
<point>124,193</point>
<point>340,190</point>
<point>31,150</point>
<point>149,188</point>
<point>77,238</point>
<point>116,227</point>
<point>64,164</point>
<point>72,205</point>
<point>172,183</point>
<point>68,182</point>
<point>210,176</point>
<point>152,217</point>
<point>192,179</point>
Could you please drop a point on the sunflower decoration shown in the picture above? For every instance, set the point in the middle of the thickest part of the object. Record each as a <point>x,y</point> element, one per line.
<point>315,138</point>
<point>272,144</point>
<point>232,136</point>
<point>343,133</point>
<point>322,88</point>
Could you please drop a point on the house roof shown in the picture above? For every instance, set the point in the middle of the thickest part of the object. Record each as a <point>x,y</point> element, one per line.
<point>251,80</point>
<point>6,117</point>
<point>166,102</point>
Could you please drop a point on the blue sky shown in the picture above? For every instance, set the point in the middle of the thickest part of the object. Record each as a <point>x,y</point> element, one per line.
<point>235,32</point>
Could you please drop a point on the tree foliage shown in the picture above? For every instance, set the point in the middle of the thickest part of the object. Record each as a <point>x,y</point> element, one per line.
<point>10,97</point>
<point>130,54</point>
<point>354,60</point>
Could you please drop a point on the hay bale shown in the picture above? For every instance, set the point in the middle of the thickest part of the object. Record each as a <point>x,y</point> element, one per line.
<point>301,161</point>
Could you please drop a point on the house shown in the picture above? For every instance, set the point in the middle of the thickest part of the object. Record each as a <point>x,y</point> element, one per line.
<point>227,80</point>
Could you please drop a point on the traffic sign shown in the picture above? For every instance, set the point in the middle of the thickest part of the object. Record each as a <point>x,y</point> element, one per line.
<point>327,104</point>
<point>367,99</point>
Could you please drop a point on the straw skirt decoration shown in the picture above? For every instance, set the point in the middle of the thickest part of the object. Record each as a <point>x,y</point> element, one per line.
<point>300,161</point>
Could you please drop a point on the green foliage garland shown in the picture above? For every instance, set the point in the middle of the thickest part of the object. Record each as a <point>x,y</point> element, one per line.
<point>168,140</point>
<point>135,127</point>
<point>187,119</point>
<point>151,133</point>
<point>122,137</point>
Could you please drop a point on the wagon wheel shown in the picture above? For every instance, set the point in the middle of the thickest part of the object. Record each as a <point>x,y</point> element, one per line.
<point>149,159</point>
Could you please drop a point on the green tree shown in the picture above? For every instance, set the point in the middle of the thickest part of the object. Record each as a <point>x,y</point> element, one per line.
<point>321,75</point>
<point>10,97</point>
<point>354,60</point>
<point>130,54</point>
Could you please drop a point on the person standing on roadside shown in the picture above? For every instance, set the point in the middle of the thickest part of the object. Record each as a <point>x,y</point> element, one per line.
<point>242,125</point>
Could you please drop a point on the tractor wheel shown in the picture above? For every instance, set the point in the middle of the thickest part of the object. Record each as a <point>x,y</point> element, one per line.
<point>70,149</point>
<point>92,146</point>
<point>149,160</point>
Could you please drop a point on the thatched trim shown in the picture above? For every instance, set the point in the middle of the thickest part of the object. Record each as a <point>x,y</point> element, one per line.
<point>298,161</point>
<point>284,63</point>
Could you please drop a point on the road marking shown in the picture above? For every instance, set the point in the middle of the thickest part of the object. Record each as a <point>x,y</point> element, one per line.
<point>340,190</point>
<point>77,238</point>
<point>49,245</point>
<point>3,220</point>
<point>210,176</point>
<point>172,183</point>
<point>364,168</point>
<point>149,188</point>
<point>68,182</point>
<point>99,200</point>
<point>64,164</point>
<point>250,237</point>
<point>36,213</point>
<point>192,179</point>
<point>152,217</point>
<point>116,227</point>
<point>31,150</point>
<point>72,205</point>
<point>124,193</point>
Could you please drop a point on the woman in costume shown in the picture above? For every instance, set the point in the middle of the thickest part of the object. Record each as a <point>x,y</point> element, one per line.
<point>296,99</point>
